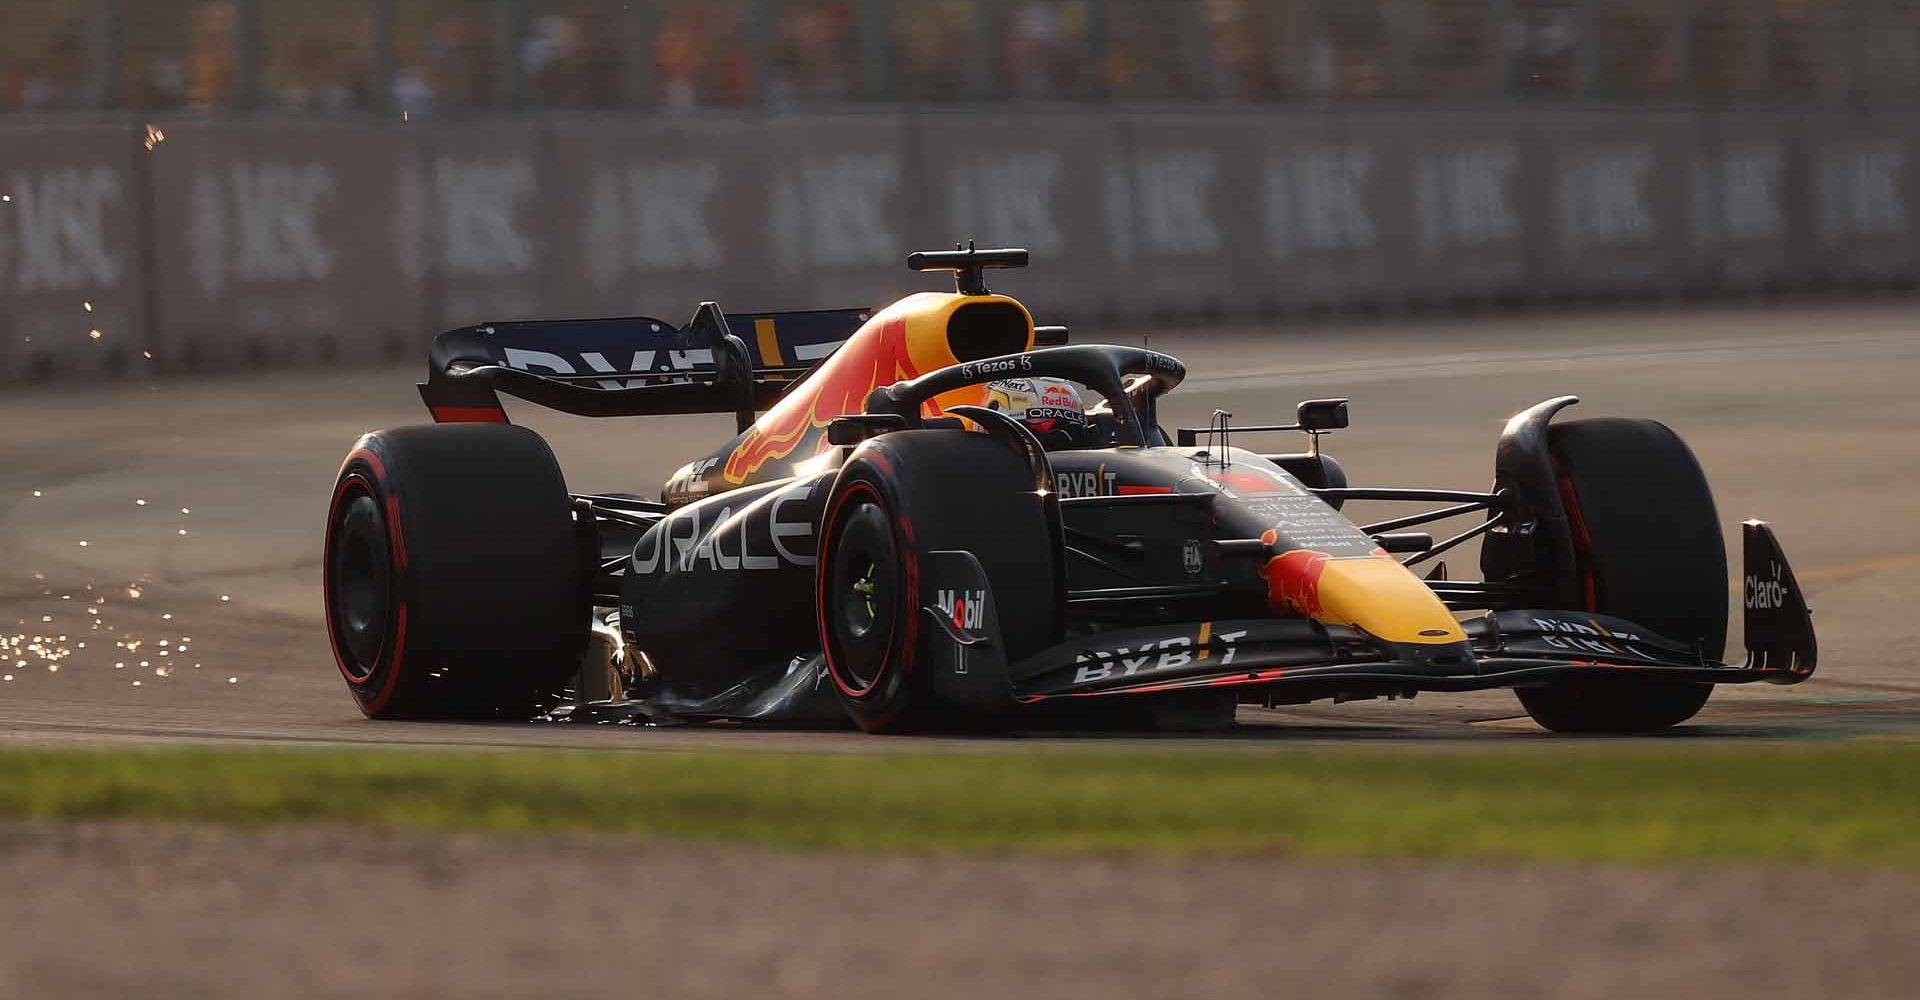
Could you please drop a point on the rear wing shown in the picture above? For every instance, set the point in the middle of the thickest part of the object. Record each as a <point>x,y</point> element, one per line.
<point>735,363</point>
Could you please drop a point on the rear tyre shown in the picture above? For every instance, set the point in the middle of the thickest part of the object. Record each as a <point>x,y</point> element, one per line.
<point>1647,548</point>
<point>453,581</point>
<point>899,497</point>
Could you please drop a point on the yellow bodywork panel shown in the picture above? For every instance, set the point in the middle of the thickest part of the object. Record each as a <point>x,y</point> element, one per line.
<point>1374,594</point>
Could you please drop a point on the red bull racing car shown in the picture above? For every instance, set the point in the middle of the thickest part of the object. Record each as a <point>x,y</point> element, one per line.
<point>922,524</point>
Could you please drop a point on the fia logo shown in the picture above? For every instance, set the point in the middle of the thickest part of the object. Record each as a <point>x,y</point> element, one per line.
<point>1191,557</point>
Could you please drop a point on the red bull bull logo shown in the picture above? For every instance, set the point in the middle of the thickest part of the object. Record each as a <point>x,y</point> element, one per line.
<point>1293,582</point>
<point>870,359</point>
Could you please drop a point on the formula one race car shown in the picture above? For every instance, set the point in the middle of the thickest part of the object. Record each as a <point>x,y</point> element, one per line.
<point>921,525</point>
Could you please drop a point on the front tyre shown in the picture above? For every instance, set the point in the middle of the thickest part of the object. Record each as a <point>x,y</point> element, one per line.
<point>1647,548</point>
<point>898,498</point>
<point>453,581</point>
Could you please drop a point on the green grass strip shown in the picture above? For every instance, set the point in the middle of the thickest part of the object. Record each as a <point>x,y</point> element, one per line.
<point>1833,804</point>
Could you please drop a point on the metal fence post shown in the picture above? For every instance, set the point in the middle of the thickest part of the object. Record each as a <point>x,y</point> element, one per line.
<point>639,28</point>
<point>1099,35</point>
<point>379,55</point>
<point>1587,58</point>
<point>876,49</point>
<point>1500,57</point>
<point>984,83</point>
<point>247,43</point>
<point>760,28</point>
<point>106,47</point>
<point>514,21</point>
<point>1682,23</point>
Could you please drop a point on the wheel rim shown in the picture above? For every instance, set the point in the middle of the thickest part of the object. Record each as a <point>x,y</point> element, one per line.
<point>359,583</point>
<point>863,595</point>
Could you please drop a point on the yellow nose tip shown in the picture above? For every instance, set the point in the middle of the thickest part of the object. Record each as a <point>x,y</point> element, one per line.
<point>1372,593</point>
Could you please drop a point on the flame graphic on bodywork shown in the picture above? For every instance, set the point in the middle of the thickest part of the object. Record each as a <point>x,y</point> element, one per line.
<point>1293,581</point>
<point>839,388</point>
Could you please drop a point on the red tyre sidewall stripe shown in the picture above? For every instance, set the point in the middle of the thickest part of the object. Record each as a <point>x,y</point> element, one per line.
<point>394,659</point>
<point>832,523</point>
<point>340,490</point>
<point>1582,538</point>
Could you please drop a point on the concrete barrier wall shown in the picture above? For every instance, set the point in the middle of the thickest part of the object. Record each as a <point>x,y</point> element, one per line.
<point>279,241</point>
<point>70,238</point>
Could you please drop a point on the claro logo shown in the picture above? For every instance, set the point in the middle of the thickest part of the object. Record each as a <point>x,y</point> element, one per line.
<point>1766,594</point>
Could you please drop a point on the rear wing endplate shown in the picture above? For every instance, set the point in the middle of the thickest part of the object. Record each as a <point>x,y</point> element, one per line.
<point>633,366</point>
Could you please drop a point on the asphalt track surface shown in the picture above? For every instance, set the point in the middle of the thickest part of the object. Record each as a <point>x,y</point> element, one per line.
<point>161,537</point>
<point>1804,414</point>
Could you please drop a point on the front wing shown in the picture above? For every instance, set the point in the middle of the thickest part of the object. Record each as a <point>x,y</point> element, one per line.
<point>1504,649</point>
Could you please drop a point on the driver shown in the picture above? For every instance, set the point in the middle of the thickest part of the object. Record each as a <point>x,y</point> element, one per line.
<point>1050,407</point>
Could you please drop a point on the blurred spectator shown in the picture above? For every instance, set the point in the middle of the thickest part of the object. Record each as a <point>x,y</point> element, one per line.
<point>570,61</point>
<point>315,56</point>
<point>1815,49</point>
<point>57,81</point>
<point>44,63</point>
<point>1726,49</point>
<point>1540,43</point>
<point>1638,48</point>
<point>446,59</point>
<point>937,50</point>
<point>1150,50</point>
<point>209,66</point>
<point>1044,46</point>
<point>1450,47</point>
<point>815,53</point>
<point>316,78</point>
<point>1891,60</point>
<point>700,56</point>
<point>1356,34</point>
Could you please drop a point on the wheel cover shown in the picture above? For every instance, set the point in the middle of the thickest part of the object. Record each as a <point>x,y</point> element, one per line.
<point>359,582</point>
<point>862,594</point>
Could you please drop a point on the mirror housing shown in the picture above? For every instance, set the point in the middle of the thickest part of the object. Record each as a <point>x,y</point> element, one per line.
<point>1317,415</point>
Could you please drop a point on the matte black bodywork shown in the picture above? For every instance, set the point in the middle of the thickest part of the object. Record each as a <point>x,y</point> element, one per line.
<point>1168,548</point>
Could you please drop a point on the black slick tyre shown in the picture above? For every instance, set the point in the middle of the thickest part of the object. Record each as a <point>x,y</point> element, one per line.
<point>899,497</point>
<point>1648,549</point>
<point>453,580</point>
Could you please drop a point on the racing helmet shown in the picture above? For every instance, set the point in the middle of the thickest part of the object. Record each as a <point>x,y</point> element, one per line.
<point>1050,407</point>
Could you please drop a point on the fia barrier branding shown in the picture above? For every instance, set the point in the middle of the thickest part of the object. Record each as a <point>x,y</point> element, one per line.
<point>57,234</point>
<point>1170,653</point>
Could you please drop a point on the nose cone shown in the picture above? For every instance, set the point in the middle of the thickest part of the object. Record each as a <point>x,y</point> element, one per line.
<point>1372,593</point>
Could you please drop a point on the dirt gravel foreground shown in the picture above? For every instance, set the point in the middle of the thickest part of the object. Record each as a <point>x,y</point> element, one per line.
<point>300,912</point>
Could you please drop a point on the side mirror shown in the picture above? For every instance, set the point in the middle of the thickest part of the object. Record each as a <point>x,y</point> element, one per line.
<point>1316,415</point>
<point>1049,336</point>
<point>857,427</point>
